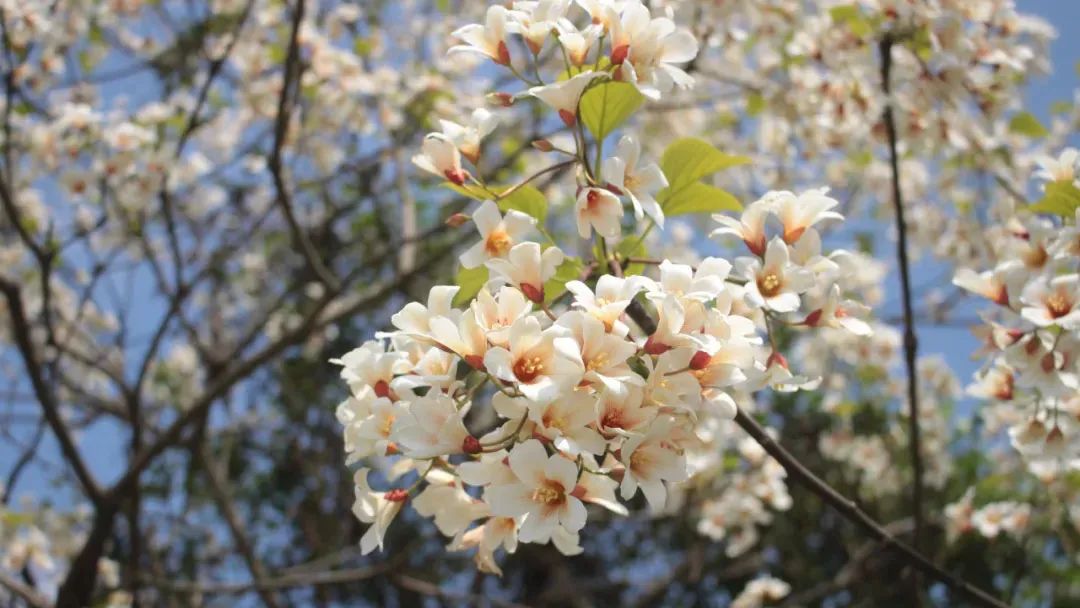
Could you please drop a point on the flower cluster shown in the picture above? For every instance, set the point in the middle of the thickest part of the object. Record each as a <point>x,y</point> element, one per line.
<point>519,403</point>
<point>1032,336</point>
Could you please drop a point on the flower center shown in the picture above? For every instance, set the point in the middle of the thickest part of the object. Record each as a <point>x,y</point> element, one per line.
<point>528,368</point>
<point>498,243</point>
<point>387,424</point>
<point>600,361</point>
<point>550,493</point>
<point>1058,304</point>
<point>769,285</point>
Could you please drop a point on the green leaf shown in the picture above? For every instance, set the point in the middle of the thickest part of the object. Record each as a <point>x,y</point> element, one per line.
<point>568,271</point>
<point>755,103</point>
<point>606,106</point>
<point>844,12</point>
<point>850,15</point>
<point>1025,123</point>
<point>525,199</point>
<point>1061,198</point>
<point>684,163</point>
<point>470,280</point>
<point>701,198</point>
<point>632,247</point>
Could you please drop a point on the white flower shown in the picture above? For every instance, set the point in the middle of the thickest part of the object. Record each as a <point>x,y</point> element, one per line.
<point>566,422</point>
<point>370,430</point>
<point>542,494</point>
<point>604,355</point>
<point>564,95</point>
<point>996,517</point>
<point>441,157</point>
<point>760,592</point>
<point>448,503</point>
<point>375,508</point>
<point>838,313</point>
<point>750,227</point>
<point>534,20</point>
<point>797,213</point>
<point>414,320</point>
<point>600,209</point>
<point>543,364</point>
<point>1053,302</point>
<point>432,427</point>
<point>369,369</point>
<point>651,459</point>
<point>775,282</point>
<point>648,50</point>
<point>624,176</point>
<point>613,294</point>
<point>1064,168</point>
<point>577,42</point>
<point>488,39</point>
<point>466,338</point>
<point>467,137</point>
<point>498,234</point>
<point>990,285</point>
<point>527,268</point>
<point>495,314</point>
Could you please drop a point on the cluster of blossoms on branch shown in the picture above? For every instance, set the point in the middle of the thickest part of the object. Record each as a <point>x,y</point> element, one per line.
<point>557,383</point>
<point>1032,337</point>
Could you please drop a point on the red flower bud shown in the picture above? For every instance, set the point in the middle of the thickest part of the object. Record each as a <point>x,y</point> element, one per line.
<point>536,294</point>
<point>700,360</point>
<point>397,495</point>
<point>777,359</point>
<point>503,100</point>
<point>471,445</point>
<point>813,318</point>
<point>655,347</point>
<point>543,145</point>
<point>619,53</point>
<point>457,220</point>
<point>568,117</point>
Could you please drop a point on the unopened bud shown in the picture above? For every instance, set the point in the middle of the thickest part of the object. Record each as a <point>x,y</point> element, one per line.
<point>619,53</point>
<point>543,145</point>
<point>503,100</point>
<point>655,347</point>
<point>777,359</point>
<point>700,360</point>
<point>536,294</point>
<point>471,445</point>
<point>397,495</point>
<point>457,220</point>
<point>813,318</point>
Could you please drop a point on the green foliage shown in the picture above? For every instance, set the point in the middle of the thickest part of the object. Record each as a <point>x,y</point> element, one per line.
<point>606,106</point>
<point>1025,123</point>
<point>1061,198</point>
<point>470,281</point>
<point>525,199</point>
<point>850,15</point>
<point>685,163</point>
<point>568,271</point>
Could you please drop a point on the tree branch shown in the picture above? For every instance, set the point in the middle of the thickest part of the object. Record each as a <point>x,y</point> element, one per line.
<point>910,339</point>
<point>852,512</point>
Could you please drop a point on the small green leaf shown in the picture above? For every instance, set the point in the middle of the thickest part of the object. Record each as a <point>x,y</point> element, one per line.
<point>1061,198</point>
<point>363,46</point>
<point>525,199</point>
<point>1025,123</point>
<point>684,163</point>
<point>850,15</point>
<point>607,106</point>
<point>568,271</point>
<point>632,247</point>
<point>470,281</point>
<point>701,198</point>
<point>844,12</point>
<point>755,103</point>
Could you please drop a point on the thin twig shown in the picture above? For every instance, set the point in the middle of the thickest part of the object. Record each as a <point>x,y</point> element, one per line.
<point>852,512</point>
<point>910,339</point>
